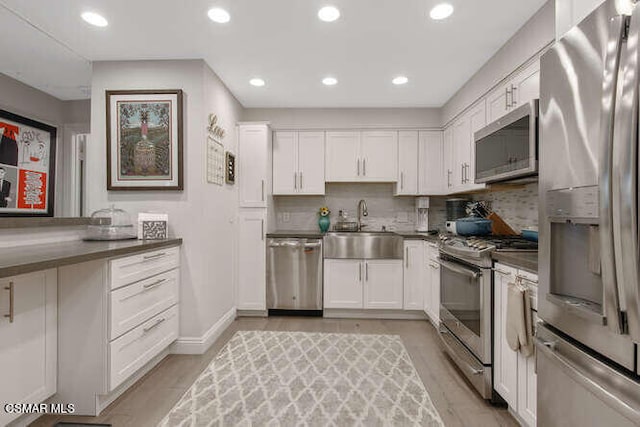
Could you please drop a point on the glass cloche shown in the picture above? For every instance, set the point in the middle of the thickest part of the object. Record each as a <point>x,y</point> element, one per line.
<point>118,225</point>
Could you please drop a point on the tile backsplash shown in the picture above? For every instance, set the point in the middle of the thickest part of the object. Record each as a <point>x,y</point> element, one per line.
<point>518,207</point>
<point>395,213</point>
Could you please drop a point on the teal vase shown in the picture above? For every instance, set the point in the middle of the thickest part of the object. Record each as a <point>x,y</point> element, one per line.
<point>324,222</point>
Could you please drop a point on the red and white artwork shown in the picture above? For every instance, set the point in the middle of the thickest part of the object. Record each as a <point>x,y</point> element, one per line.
<point>27,166</point>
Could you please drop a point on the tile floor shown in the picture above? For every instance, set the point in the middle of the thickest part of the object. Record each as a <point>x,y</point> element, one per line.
<point>147,402</point>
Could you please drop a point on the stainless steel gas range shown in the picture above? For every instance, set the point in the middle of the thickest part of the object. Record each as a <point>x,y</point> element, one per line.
<point>466,301</point>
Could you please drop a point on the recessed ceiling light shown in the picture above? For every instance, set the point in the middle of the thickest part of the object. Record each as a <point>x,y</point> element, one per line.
<point>257,82</point>
<point>441,11</point>
<point>329,14</point>
<point>400,80</point>
<point>95,19</point>
<point>219,15</point>
<point>329,81</point>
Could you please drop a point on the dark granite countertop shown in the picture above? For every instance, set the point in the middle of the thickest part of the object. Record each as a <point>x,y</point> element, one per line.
<point>524,260</point>
<point>302,234</point>
<point>30,258</point>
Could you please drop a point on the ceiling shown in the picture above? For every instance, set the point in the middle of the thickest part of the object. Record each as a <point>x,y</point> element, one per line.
<point>45,44</point>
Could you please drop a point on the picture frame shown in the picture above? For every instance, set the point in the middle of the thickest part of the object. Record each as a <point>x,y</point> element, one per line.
<point>145,140</point>
<point>27,166</point>
<point>230,162</point>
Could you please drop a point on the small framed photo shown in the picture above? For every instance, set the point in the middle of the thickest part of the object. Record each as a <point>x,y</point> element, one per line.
<point>144,140</point>
<point>153,226</point>
<point>230,161</point>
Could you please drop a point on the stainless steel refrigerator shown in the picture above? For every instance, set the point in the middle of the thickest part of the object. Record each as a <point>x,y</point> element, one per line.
<point>587,351</point>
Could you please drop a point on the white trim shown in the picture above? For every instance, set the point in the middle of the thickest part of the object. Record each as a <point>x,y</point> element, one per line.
<point>199,345</point>
<point>339,313</point>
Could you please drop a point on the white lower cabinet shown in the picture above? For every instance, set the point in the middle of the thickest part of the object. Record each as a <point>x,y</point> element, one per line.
<point>28,339</point>
<point>514,375</point>
<point>431,282</point>
<point>413,275</point>
<point>358,284</point>
<point>117,318</point>
<point>252,259</point>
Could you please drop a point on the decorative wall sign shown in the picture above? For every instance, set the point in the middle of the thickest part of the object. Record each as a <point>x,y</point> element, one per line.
<point>144,140</point>
<point>215,162</point>
<point>153,226</point>
<point>231,168</point>
<point>27,166</point>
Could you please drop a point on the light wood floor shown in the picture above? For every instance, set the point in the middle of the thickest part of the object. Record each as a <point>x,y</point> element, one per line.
<point>148,401</point>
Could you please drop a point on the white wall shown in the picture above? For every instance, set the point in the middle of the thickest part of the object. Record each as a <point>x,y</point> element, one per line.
<point>203,214</point>
<point>339,118</point>
<point>537,33</point>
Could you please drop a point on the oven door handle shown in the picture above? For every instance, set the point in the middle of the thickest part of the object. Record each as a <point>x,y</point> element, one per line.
<point>454,267</point>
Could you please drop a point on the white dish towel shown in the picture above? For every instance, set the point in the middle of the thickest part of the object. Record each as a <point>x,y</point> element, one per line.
<point>519,329</point>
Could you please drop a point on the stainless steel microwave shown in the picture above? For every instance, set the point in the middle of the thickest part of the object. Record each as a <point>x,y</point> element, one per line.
<point>507,149</point>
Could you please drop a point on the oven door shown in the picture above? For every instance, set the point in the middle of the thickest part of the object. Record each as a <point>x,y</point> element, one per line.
<point>465,305</point>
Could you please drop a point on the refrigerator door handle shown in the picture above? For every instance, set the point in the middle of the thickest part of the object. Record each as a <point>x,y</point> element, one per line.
<point>610,82</point>
<point>624,179</point>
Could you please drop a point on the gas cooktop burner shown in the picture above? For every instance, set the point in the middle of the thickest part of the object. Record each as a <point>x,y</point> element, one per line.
<point>498,243</point>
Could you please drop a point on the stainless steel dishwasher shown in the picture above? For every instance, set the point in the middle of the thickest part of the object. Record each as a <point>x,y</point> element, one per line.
<point>294,276</point>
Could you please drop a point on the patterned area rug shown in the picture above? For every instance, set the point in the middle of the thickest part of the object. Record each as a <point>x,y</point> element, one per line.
<point>263,378</point>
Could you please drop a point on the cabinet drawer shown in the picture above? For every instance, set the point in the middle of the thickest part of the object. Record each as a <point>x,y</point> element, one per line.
<point>136,303</point>
<point>137,267</point>
<point>134,349</point>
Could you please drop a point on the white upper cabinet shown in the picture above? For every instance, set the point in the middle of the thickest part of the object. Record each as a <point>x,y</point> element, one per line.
<point>408,160</point>
<point>521,88</point>
<point>298,163</point>
<point>311,163</point>
<point>361,156</point>
<point>342,157</point>
<point>379,154</point>
<point>448,162</point>
<point>462,175</point>
<point>571,12</point>
<point>432,176</point>
<point>253,164</point>
<point>285,162</point>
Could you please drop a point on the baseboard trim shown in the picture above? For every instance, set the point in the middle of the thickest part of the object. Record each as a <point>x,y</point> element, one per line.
<point>252,313</point>
<point>199,345</point>
<point>339,313</point>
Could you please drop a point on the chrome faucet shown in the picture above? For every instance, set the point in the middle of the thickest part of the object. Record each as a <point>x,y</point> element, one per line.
<point>362,211</point>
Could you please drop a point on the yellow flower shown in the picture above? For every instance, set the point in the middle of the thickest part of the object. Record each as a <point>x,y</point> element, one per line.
<point>324,211</point>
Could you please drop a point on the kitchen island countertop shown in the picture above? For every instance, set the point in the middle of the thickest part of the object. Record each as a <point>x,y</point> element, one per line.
<point>29,258</point>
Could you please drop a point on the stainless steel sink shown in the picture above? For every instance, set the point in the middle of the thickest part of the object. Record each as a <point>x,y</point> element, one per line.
<point>363,245</point>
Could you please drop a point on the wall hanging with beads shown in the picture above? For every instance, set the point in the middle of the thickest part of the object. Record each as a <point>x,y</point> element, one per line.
<point>215,152</point>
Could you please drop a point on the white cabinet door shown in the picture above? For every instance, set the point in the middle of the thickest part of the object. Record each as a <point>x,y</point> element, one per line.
<point>461,155</point>
<point>432,174</point>
<point>311,163</point>
<point>253,165</point>
<point>527,388</point>
<point>477,120</point>
<point>448,148</point>
<point>434,283</point>
<point>413,277</point>
<point>498,102</point>
<point>408,159</point>
<point>285,163</point>
<point>252,260</point>
<point>505,362</point>
<point>343,279</point>
<point>526,84</point>
<point>28,349</point>
<point>383,284</point>
<point>342,159</point>
<point>379,155</point>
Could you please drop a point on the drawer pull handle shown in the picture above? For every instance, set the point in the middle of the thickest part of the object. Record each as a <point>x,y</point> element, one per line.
<point>10,288</point>
<point>150,257</point>
<point>158,322</point>
<point>525,279</point>
<point>154,284</point>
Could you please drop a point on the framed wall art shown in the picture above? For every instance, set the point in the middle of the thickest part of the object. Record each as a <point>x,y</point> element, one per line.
<point>231,168</point>
<point>144,140</point>
<point>27,166</point>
